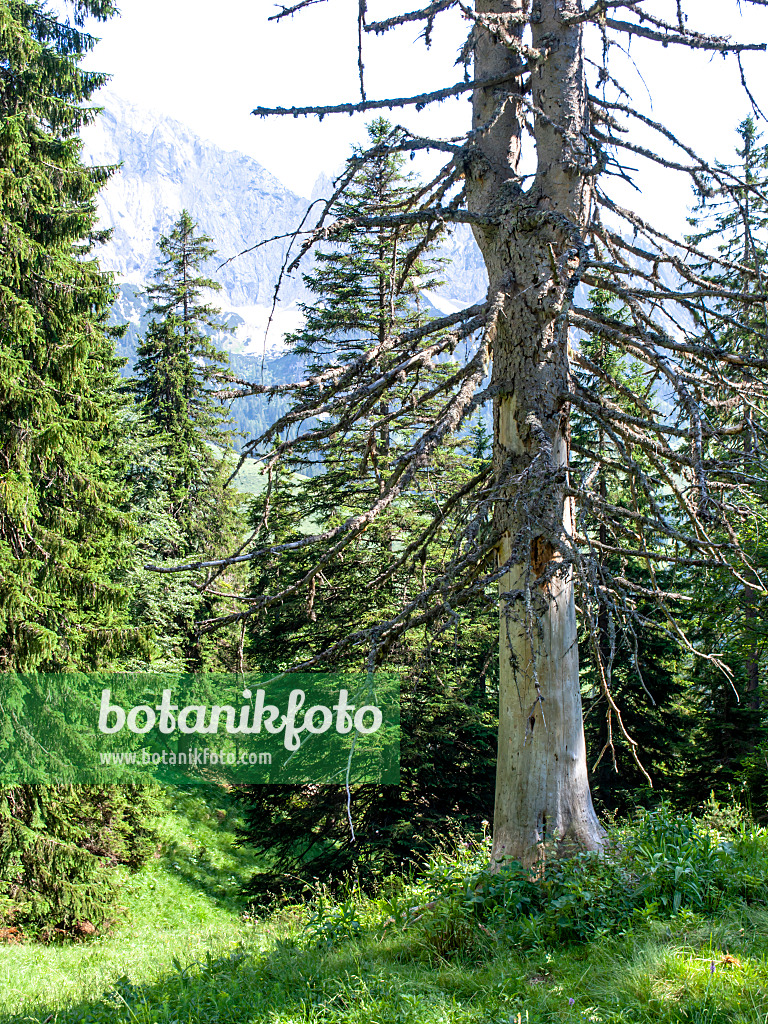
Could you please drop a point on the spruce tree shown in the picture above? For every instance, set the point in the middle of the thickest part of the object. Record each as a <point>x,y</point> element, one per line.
<point>628,660</point>
<point>64,523</point>
<point>367,289</point>
<point>61,514</point>
<point>192,462</point>
<point>166,606</point>
<point>368,283</point>
<point>729,622</point>
<point>177,362</point>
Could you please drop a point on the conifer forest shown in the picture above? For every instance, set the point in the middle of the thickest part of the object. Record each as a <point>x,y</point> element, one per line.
<point>520,537</point>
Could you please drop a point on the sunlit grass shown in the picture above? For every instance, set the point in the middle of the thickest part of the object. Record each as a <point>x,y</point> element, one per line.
<point>183,951</point>
<point>180,906</point>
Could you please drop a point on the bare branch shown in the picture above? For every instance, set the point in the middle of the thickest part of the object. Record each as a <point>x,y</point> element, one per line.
<point>286,12</point>
<point>694,41</point>
<point>419,101</point>
<point>425,14</point>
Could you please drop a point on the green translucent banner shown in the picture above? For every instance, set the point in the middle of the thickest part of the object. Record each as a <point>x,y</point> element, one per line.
<point>211,727</point>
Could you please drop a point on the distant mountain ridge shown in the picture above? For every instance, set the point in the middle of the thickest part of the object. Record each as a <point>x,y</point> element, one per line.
<point>166,167</point>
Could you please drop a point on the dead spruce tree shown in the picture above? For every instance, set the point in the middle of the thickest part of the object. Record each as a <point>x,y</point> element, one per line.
<point>534,531</point>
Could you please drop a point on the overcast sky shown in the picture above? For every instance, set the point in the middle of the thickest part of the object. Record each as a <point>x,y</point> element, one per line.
<point>209,65</point>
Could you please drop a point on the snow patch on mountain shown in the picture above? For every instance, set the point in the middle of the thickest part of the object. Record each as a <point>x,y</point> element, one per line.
<point>260,330</point>
<point>439,302</point>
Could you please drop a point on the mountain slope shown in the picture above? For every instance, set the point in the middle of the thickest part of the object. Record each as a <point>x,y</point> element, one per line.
<point>165,168</point>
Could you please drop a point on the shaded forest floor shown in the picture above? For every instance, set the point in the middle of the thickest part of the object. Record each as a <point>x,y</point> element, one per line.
<point>184,949</point>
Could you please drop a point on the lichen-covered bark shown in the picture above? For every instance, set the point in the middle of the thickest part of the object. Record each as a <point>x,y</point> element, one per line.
<point>533,258</point>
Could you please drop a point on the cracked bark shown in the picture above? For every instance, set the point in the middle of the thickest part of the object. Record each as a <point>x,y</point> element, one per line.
<point>533,258</point>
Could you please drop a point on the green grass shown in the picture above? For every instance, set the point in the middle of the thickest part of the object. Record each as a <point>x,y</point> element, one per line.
<point>180,906</point>
<point>183,951</point>
<point>251,480</point>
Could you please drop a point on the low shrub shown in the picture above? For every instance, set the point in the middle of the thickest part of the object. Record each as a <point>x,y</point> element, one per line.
<point>658,865</point>
<point>684,863</point>
<point>332,922</point>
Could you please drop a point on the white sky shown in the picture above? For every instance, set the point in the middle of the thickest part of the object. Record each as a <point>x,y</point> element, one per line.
<point>210,69</point>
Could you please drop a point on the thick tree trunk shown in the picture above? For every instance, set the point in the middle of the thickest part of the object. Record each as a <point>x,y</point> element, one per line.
<point>533,257</point>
